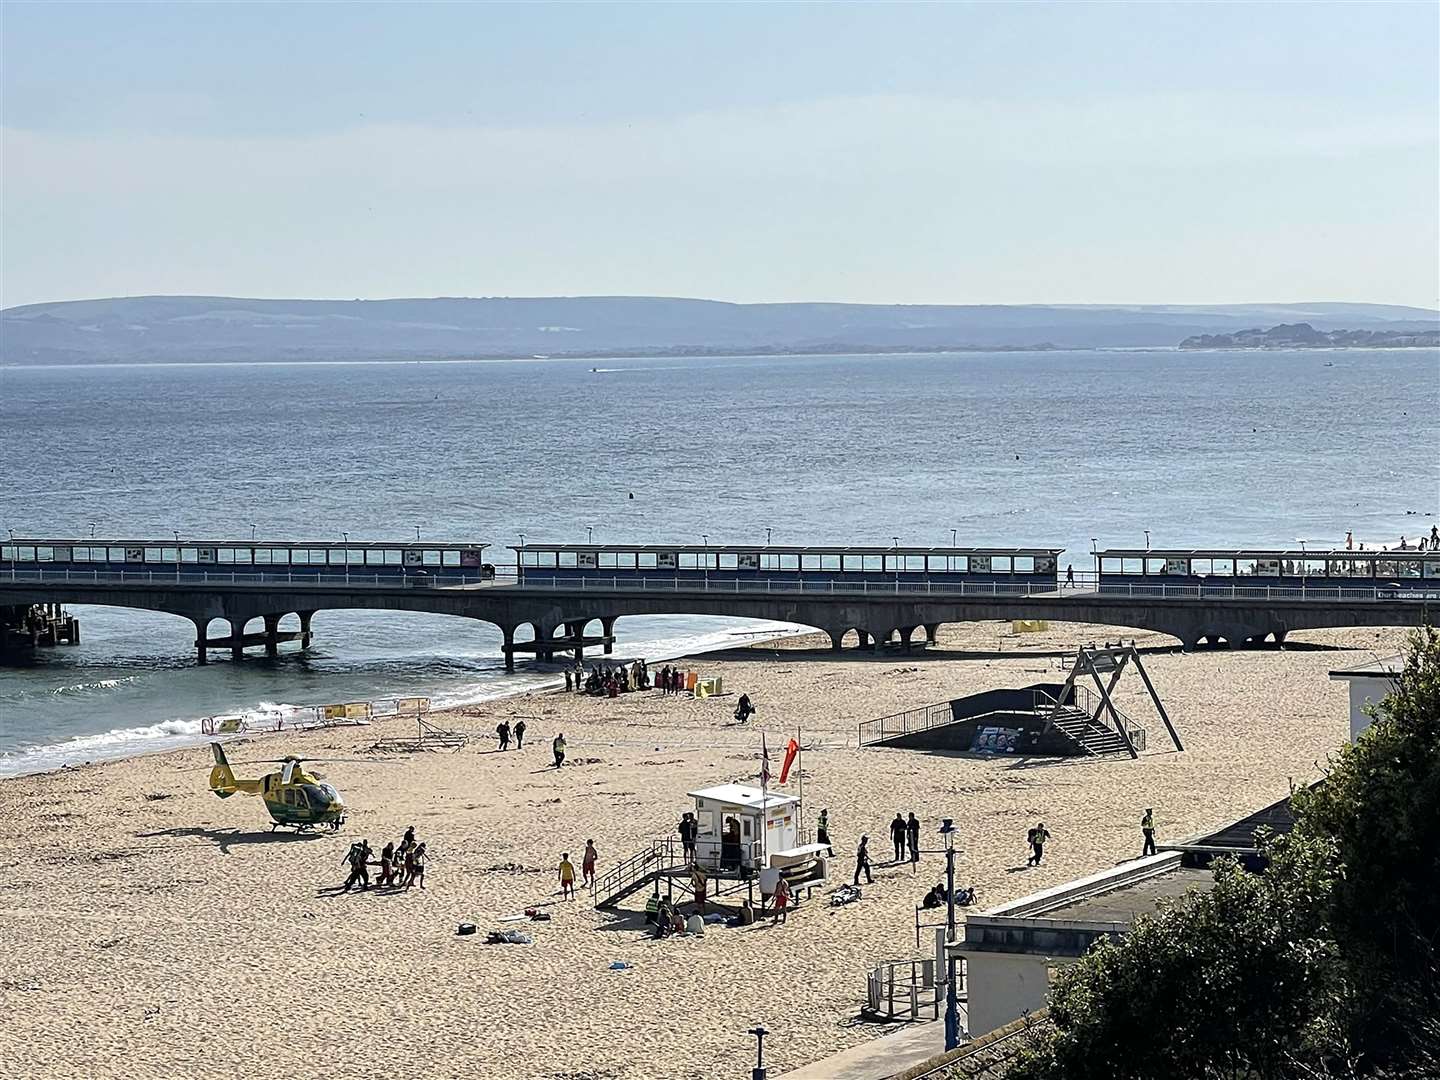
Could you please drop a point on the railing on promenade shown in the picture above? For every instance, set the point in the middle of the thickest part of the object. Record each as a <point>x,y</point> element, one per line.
<point>1393,591</point>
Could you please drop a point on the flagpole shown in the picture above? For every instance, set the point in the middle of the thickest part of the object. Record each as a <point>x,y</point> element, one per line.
<point>800,761</point>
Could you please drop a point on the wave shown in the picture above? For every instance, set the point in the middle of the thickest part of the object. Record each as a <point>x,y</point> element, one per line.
<point>99,684</point>
<point>488,686</point>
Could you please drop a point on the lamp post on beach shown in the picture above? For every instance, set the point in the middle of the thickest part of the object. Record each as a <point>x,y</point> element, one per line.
<point>952,1006</point>
<point>589,534</point>
<point>252,530</point>
<point>758,1073</point>
<point>954,534</point>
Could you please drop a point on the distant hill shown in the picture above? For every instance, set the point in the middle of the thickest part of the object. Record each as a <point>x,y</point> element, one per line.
<point>1304,336</point>
<point>218,329</point>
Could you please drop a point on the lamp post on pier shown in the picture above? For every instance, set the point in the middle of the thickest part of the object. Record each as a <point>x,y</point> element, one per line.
<point>952,1004</point>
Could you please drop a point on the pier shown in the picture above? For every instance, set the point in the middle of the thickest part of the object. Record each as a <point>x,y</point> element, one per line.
<point>544,620</point>
<point>565,599</point>
<point>37,625</point>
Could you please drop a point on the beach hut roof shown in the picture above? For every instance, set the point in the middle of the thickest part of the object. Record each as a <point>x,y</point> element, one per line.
<point>751,798</point>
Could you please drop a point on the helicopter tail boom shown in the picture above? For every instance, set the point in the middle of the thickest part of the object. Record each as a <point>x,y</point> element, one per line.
<point>222,780</point>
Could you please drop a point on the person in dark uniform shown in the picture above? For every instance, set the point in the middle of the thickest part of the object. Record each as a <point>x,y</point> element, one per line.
<point>519,734</point>
<point>503,730</point>
<point>1147,826</point>
<point>912,836</point>
<point>897,835</point>
<point>862,861</point>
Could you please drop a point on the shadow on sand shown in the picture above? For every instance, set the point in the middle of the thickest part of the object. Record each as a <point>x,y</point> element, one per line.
<point>225,838</point>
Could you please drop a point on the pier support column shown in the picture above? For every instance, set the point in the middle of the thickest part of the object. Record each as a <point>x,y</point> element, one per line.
<point>607,627</point>
<point>932,630</point>
<point>508,633</point>
<point>837,638</point>
<point>305,635</point>
<point>237,638</point>
<point>905,632</point>
<point>543,633</point>
<point>202,628</point>
<point>272,638</point>
<point>576,631</point>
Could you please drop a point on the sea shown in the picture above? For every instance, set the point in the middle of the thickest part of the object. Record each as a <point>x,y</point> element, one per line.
<point>1060,448</point>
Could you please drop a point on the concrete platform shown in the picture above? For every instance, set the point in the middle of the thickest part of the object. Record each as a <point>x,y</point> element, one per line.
<point>878,1059</point>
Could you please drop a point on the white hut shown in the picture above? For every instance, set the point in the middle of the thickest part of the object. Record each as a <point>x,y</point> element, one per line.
<point>741,826</point>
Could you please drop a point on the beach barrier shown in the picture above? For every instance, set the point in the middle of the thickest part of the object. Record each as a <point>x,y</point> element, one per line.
<point>311,717</point>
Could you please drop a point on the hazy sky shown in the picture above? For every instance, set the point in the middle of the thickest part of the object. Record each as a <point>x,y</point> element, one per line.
<point>964,153</point>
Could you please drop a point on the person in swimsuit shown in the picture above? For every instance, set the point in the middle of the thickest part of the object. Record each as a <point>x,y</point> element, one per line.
<point>587,863</point>
<point>566,870</point>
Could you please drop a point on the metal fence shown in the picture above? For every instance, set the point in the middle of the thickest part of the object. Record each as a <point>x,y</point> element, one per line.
<point>617,584</point>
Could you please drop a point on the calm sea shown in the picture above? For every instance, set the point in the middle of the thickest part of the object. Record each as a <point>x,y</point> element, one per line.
<point>1012,448</point>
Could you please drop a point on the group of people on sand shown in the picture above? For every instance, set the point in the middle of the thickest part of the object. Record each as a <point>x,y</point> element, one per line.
<point>670,681</point>
<point>400,867</point>
<point>566,870</point>
<point>503,731</point>
<point>608,682</point>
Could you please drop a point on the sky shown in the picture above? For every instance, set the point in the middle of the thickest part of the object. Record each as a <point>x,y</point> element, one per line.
<point>888,153</point>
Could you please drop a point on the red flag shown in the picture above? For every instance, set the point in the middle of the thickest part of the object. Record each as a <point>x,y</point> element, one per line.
<point>791,750</point>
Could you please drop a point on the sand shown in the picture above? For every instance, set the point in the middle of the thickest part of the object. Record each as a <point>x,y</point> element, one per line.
<point>149,929</point>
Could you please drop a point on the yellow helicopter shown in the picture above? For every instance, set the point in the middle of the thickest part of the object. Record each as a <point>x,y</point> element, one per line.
<point>294,798</point>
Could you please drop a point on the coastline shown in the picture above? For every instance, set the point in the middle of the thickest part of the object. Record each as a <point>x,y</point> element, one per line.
<point>177,733</point>
<point>131,880</point>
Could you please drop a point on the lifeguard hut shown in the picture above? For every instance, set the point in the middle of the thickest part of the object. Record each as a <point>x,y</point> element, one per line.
<point>744,836</point>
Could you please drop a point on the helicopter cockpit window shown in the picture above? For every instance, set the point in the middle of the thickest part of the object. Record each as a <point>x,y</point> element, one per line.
<point>320,794</point>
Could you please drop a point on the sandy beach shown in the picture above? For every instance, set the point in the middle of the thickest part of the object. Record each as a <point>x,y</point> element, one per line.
<point>150,929</point>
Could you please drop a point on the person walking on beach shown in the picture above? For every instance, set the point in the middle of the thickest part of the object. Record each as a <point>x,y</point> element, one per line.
<point>566,870</point>
<point>1070,576</point>
<point>557,747</point>
<point>1147,826</point>
<point>912,836</point>
<point>587,863</point>
<point>1038,836</point>
<point>897,835</point>
<point>359,860</point>
<point>415,867</point>
<point>503,730</point>
<point>822,831</point>
<point>744,710</point>
<point>519,734</point>
<point>862,861</point>
<point>387,865</point>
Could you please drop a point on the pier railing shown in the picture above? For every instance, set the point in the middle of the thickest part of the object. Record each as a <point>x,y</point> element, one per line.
<point>1426,593</point>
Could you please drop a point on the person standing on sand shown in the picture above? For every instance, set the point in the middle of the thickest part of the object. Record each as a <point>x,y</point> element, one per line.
<point>359,860</point>
<point>587,863</point>
<point>566,870</point>
<point>822,831</point>
<point>912,836</point>
<point>519,734</point>
<point>557,747</point>
<point>862,861</point>
<point>782,901</point>
<point>387,865</point>
<point>698,882</point>
<point>1038,836</point>
<point>569,682</point>
<point>502,729</point>
<point>897,835</point>
<point>1147,826</point>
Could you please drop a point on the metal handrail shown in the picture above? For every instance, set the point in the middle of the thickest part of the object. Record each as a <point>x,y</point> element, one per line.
<point>1395,591</point>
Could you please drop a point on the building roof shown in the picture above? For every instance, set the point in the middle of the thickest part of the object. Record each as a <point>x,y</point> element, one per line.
<point>1388,667</point>
<point>751,798</point>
